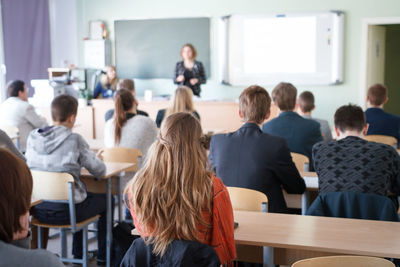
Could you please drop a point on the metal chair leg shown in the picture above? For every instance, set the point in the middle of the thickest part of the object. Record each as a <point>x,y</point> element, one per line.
<point>64,243</point>
<point>39,237</point>
<point>85,246</point>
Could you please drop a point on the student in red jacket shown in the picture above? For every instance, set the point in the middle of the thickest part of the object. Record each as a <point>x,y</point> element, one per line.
<point>173,196</point>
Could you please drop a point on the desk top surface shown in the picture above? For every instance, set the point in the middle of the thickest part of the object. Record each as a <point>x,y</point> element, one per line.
<point>35,201</point>
<point>336,235</point>
<point>112,169</point>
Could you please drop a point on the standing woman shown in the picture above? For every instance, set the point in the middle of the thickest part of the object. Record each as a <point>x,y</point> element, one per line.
<point>189,71</point>
<point>175,197</point>
<point>105,88</point>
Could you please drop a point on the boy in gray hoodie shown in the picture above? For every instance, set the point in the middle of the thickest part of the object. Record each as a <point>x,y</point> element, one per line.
<point>58,149</point>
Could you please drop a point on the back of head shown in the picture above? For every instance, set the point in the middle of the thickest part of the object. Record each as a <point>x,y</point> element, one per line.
<point>169,193</point>
<point>182,101</point>
<point>127,84</point>
<point>123,101</point>
<point>14,87</point>
<point>62,107</point>
<point>15,197</point>
<point>254,104</point>
<point>306,101</point>
<point>350,118</point>
<point>284,96</point>
<point>377,94</point>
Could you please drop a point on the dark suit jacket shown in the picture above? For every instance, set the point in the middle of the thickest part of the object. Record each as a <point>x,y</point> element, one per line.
<point>252,159</point>
<point>381,122</point>
<point>300,133</point>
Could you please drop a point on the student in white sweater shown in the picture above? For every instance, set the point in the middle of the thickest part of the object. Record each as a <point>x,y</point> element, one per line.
<point>127,129</point>
<point>18,112</point>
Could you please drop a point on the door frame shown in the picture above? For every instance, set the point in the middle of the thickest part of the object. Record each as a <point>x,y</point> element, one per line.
<point>366,22</point>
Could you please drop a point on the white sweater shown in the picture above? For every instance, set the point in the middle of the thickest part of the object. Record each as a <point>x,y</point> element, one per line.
<point>14,111</point>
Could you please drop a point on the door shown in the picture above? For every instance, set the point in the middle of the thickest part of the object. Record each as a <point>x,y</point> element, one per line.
<point>376,55</point>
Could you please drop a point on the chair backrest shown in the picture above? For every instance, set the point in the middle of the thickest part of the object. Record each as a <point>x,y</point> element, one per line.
<point>122,154</point>
<point>247,199</point>
<point>11,130</point>
<point>51,185</point>
<point>384,139</point>
<point>301,161</point>
<point>344,261</point>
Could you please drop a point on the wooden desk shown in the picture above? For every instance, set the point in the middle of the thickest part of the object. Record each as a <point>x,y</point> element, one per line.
<point>320,235</point>
<point>35,202</point>
<point>113,169</point>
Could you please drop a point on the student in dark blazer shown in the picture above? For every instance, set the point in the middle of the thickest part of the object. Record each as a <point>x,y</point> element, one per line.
<point>252,159</point>
<point>300,133</point>
<point>381,122</point>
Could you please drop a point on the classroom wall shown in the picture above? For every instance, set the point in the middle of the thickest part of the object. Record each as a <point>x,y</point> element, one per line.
<point>328,98</point>
<point>392,68</point>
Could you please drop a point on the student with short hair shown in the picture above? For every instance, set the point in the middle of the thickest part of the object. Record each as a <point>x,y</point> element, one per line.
<point>129,129</point>
<point>174,196</point>
<point>306,106</point>
<point>15,201</point>
<point>381,122</point>
<point>354,164</point>
<point>182,101</point>
<point>58,149</point>
<point>129,85</point>
<point>252,159</point>
<point>301,134</point>
<point>18,112</point>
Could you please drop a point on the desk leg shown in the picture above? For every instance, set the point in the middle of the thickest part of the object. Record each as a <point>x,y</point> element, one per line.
<point>305,202</point>
<point>268,257</point>
<point>109,223</point>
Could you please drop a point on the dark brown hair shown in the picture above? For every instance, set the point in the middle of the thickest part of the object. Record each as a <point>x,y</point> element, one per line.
<point>14,87</point>
<point>16,191</point>
<point>62,107</point>
<point>284,96</point>
<point>127,84</point>
<point>194,51</point>
<point>306,101</point>
<point>350,118</point>
<point>377,94</point>
<point>254,104</point>
<point>123,100</point>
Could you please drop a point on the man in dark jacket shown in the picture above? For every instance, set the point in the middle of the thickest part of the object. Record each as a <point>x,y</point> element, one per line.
<point>252,159</point>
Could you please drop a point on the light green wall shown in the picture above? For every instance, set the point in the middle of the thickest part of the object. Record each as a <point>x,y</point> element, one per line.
<point>328,98</point>
<point>392,68</point>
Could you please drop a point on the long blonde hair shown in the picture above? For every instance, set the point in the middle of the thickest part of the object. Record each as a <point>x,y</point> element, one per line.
<point>182,101</point>
<point>104,79</point>
<point>173,188</point>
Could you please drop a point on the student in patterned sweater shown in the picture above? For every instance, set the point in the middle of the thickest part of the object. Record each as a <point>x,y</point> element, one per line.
<point>354,164</point>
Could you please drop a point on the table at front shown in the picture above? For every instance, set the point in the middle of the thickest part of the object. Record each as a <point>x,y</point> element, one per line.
<point>113,169</point>
<point>320,235</point>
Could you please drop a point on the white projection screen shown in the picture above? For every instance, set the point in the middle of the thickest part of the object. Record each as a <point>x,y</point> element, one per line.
<point>304,49</point>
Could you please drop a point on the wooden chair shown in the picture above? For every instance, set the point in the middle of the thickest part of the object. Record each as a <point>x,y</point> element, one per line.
<point>301,161</point>
<point>60,187</point>
<point>12,132</point>
<point>384,139</point>
<point>344,261</point>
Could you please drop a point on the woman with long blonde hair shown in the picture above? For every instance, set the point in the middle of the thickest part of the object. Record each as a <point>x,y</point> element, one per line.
<point>182,101</point>
<point>174,196</point>
<point>107,85</point>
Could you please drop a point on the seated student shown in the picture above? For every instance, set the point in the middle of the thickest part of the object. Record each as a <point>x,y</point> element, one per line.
<point>107,85</point>
<point>127,84</point>
<point>182,101</point>
<point>18,112</point>
<point>301,134</point>
<point>352,163</point>
<point>15,201</point>
<point>174,196</point>
<point>306,106</point>
<point>252,159</point>
<point>58,149</point>
<point>381,122</point>
<point>128,129</point>
<point>6,142</point>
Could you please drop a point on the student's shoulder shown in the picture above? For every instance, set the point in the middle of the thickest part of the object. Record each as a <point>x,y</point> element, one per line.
<point>323,145</point>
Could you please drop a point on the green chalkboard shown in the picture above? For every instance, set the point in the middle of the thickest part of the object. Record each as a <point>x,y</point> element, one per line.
<point>150,48</point>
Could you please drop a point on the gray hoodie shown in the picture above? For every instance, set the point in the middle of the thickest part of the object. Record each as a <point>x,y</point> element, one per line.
<point>57,149</point>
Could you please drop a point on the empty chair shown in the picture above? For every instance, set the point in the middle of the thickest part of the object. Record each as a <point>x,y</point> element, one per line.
<point>384,139</point>
<point>247,199</point>
<point>301,161</point>
<point>344,261</point>
<point>62,189</point>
